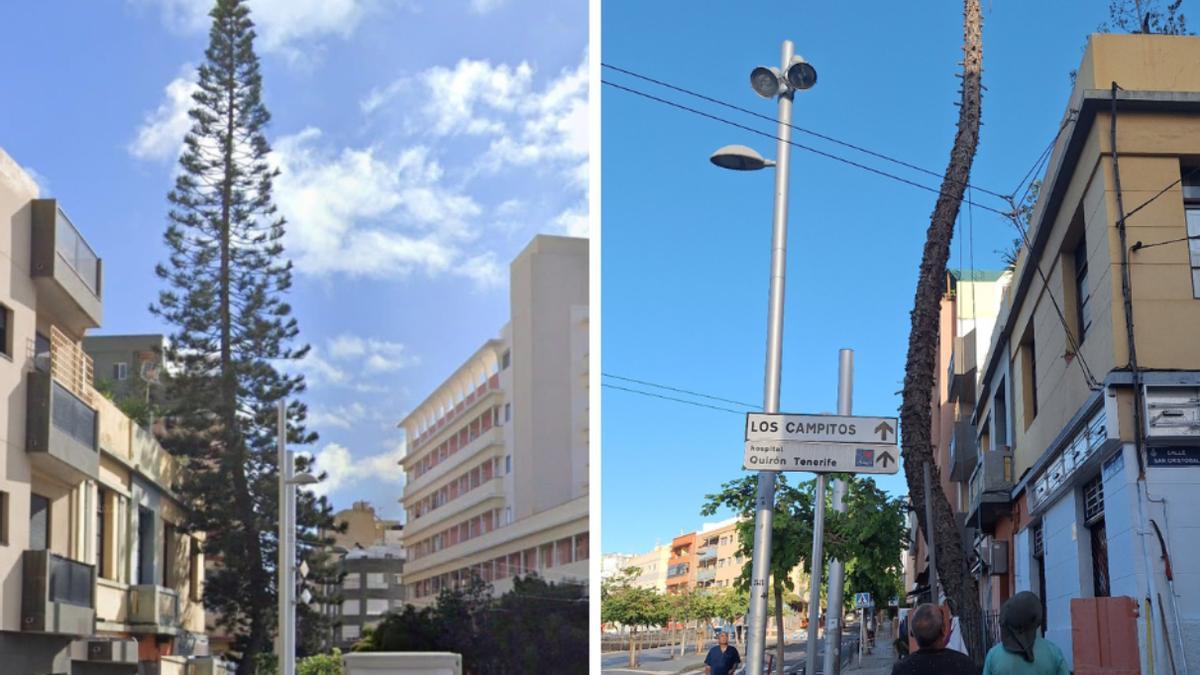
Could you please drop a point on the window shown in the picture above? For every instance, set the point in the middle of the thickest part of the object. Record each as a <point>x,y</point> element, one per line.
<point>145,547</point>
<point>350,633</point>
<point>507,412</point>
<point>168,560</point>
<point>1082,294</point>
<point>101,534</point>
<point>507,464</point>
<point>41,352</point>
<point>562,551</point>
<point>1000,418</point>
<point>581,547</point>
<point>1191,205</point>
<point>353,581</point>
<point>376,580</point>
<point>1093,517</point>
<point>1029,376</point>
<point>39,522</point>
<point>120,371</point>
<point>350,608</point>
<point>506,360</point>
<point>3,518</point>
<point>377,606</point>
<point>6,337</point>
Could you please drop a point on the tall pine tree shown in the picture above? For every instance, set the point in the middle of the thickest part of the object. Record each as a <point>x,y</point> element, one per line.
<point>225,282</point>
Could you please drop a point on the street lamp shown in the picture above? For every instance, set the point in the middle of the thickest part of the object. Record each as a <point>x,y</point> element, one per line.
<point>286,581</point>
<point>795,74</point>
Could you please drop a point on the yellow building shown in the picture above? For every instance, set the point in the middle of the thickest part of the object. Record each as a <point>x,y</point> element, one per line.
<point>1083,459</point>
<point>94,568</point>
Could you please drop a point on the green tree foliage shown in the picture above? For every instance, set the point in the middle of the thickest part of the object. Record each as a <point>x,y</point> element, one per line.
<point>224,280</point>
<point>1161,17</point>
<point>537,627</point>
<point>869,537</point>
<point>321,664</point>
<point>623,603</point>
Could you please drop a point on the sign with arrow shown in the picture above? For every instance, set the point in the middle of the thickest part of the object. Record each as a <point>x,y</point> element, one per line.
<point>821,443</point>
<point>820,428</point>
<point>820,457</point>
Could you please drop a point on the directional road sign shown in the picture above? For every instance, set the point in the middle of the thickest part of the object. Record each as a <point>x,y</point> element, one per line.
<point>820,428</point>
<point>820,457</point>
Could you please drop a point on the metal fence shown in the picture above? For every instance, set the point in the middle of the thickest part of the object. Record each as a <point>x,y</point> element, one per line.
<point>991,629</point>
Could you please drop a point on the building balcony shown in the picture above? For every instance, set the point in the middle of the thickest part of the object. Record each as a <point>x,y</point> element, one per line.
<point>990,490</point>
<point>65,269</point>
<point>490,490</point>
<point>706,574</point>
<point>706,554</point>
<point>113,651</point>
<point>466,457</point>
<point>153,609</point>
<point>964,453</point>
<point>57,595</point>
<point>962,370</point>
<point>61,430</point>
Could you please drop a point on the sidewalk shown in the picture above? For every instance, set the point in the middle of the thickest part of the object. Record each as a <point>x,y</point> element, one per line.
<point>878,663</point>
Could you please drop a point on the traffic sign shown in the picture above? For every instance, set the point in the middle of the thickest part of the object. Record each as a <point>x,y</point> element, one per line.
<point>820,428</point>
<point>863,600</point>
<point>820,457</point>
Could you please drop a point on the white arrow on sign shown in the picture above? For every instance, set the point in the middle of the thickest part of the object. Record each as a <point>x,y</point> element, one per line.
<point>820,457</point>
<point>820,428</point>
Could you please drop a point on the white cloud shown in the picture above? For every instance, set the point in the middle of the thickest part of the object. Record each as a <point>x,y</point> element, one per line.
<point>574,221</point>
<point>317,370</point>
<point>281,24</point>
<point>377,356</point>
<point>360,212</point>
<point>342,416</point>
<point>346,471</point>
<point>486,6</point>
<point>161,134</point>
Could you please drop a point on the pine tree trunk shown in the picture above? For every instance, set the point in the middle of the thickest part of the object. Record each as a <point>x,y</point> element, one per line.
<point>961,588</point>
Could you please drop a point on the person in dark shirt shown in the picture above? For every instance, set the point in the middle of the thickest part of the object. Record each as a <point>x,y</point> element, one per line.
<point>722,658</point>
<point>927,628</point>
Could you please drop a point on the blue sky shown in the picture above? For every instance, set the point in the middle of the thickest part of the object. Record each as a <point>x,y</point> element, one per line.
<point>686,245</point>
<point>423,143</point>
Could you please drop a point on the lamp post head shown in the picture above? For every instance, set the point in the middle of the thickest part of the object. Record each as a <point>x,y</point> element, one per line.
<point>303,478</point>
<point>767,82</point>
<point>739,158</point>
<point>801,74</point>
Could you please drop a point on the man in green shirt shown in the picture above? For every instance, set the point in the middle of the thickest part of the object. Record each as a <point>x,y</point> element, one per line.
<point>1021,650</point>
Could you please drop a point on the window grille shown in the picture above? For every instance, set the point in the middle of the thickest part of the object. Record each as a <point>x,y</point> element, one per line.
<point>1093,501</point>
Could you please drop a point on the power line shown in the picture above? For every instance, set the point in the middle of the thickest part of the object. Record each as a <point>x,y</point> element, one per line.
<point>813,150</point>
<point>803,130</point>
<point>1137,246</point>
<point>1160,193</point>
<point>672,398</point>
<point>677,389</point>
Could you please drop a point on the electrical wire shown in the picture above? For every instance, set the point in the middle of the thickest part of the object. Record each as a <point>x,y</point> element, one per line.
<point>801,146</point>
<point>672,398</point>
<point>677,389</point>
<point>802,130</point>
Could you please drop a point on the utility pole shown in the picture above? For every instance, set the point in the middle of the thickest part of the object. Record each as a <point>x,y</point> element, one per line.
<point>833,612</point>
<point>760,567</point>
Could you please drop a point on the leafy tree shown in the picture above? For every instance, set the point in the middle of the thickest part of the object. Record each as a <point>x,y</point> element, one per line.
<point>1145,16</point>
<point>321,664</point>
<point>870,535</point>
<point>225,279</point>
<point>921,361</point>
<point>623,603</point>
<point>791,537</point>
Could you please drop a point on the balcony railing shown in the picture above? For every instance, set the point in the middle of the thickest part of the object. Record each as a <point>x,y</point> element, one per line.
<point>706,553</point>
<point>58,594</point>
<point>961,373</point>
<point>155,608</point>
<point>71,366</point>
<point>964,453</point>
<point>706,574</point>
<point>62,425</point>
<point>991,486</point>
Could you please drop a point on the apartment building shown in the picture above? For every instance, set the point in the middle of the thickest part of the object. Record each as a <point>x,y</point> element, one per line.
<point>95,573</point>
<point>130,366</point>
<point>681,565</point>
<point>1088,423</point>
<point>969,309</point>
<point>372,586</point>
<point>497,462</point>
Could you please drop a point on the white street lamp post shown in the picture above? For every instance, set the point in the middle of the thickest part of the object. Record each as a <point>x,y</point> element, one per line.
<point>286,568</point>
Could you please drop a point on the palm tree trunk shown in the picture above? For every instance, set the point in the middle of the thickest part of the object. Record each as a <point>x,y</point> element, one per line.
<point>961,588</point>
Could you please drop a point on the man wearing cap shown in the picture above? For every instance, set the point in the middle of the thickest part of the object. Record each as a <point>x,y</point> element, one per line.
<point>1021,650</point>
<point>928,628</point>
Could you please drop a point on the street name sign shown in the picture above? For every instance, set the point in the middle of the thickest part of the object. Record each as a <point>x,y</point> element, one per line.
<point>820,428</point>
<point>821,443</point>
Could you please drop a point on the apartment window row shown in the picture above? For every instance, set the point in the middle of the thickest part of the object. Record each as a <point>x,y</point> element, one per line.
<point>469,432</point>
<point>457,534</point>
<point>530,561</point>
<point>1191,206</point>
<point>467,481</point>
<point>372,607</point>
<point>375,580</point>
<point>677,570</point>
<point>448,415</point>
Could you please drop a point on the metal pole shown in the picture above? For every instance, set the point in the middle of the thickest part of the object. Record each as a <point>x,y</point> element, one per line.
<point>929,538</point>
<point>814,579</point>
<point>287,553</point>
<point>760,566</point>
<point>833,612</point>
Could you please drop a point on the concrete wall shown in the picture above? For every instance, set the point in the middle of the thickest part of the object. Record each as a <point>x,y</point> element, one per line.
<point>1066,567</point>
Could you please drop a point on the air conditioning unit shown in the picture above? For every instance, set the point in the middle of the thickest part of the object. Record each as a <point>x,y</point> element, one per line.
<point>112,651</point>
<point>208,665</point>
